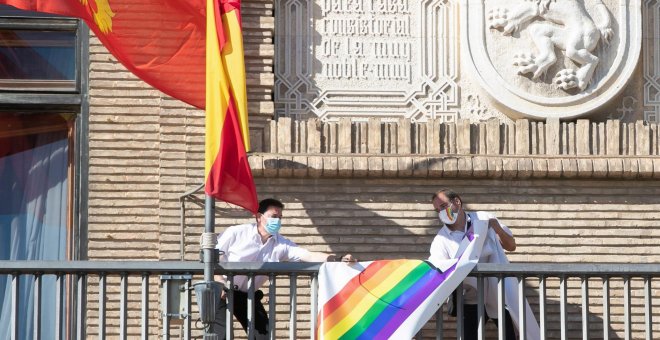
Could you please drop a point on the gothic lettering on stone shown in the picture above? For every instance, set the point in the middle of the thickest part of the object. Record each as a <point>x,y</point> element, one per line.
<point>365,41</point>
<point>564,25</point>
<point>367,58</point>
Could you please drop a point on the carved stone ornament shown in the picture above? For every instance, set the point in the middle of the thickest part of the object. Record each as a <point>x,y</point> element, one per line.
<point>367,58</point>
<point>552,58</point>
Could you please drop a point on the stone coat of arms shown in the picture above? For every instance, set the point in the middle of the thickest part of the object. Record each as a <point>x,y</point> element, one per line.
<point>552,58</point>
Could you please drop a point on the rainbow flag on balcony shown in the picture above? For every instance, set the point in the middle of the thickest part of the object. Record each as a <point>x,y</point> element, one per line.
<point>382,299</point>
<point>394,299</point>
<point>389,298</point>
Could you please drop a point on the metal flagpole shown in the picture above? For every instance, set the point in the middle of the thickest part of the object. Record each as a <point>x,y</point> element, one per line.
<point>208,291</point>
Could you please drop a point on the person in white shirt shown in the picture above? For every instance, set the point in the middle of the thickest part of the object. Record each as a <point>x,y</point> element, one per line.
<point>259,242</point>
<point>456,222</point>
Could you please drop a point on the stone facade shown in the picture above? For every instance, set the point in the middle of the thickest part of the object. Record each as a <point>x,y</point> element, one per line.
<point>582,190</point>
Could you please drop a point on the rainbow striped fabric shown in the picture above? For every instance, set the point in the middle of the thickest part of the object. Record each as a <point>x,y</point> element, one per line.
<point>390,299</point>
<point>377,301</point>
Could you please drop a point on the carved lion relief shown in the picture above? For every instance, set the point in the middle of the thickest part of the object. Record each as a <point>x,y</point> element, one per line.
<point>564,24</point>
<point>552,58</point>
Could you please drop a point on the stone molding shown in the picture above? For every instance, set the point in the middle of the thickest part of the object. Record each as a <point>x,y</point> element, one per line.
<point>551,138</point>
<point>267,165</point>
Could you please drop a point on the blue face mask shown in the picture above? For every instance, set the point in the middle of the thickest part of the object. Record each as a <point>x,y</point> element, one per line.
<point>273,225</point>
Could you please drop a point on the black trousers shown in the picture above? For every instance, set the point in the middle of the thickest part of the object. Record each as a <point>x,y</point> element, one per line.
<point>240,312</point>
<point>471,323</point>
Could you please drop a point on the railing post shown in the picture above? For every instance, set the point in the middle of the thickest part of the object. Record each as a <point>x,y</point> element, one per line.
<point>250,307</point>
<point>37,305</point>
<point>439,324</point>
<point>229,321</point>
<point>102,292</point>
<point>59,305</point>
<point>314,304</point>
<point>522,308</point>
<point>271,307</point>
<point>460,311</point>
<point>145,306</point>
<point>648,310</point>
<point>15,291</point>
<point>81,306</point>
<point>542,306</point>
<point>606,308</point>
<point>481,316</point>
<point>501,334</point>
<point>562,305</point>
<point>166,307</point>
<point>585,308</point>
<point>292,305</point>
<point>626,307</point>
<point>187,321</point>
<point>123,291</point>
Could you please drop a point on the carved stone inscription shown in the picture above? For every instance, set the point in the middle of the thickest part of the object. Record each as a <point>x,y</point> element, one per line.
<point>365,42</point>
<point>367,58</point>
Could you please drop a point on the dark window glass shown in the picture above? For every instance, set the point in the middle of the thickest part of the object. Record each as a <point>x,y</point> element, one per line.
<point>38,51</point>
<point>38,55</point>
<point>37,59</point>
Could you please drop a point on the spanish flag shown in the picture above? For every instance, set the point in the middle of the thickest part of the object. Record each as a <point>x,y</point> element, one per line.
<point>228,175</point>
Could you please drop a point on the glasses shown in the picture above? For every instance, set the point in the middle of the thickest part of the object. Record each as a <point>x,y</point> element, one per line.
<point>444,206</point>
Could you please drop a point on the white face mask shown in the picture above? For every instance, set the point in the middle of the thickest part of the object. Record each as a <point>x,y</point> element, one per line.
<point>448,215</point>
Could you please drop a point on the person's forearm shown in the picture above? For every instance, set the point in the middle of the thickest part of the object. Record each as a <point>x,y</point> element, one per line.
<point>508,242</point>
<point>318,257</point>
<point>323,257</point>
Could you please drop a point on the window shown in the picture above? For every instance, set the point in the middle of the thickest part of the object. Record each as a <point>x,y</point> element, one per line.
<point>43,119</point>
<point>37,60</point>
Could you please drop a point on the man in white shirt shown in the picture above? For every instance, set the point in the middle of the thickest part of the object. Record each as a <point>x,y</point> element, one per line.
<point>456,222</point>
<point>259,242</point>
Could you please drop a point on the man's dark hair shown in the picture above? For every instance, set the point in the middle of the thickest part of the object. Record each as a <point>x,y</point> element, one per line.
<point>450,194</point>
<point>269,202</point>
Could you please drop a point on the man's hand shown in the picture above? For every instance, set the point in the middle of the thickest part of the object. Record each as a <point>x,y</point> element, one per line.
<point>507,241</point>
<point>348,258</point>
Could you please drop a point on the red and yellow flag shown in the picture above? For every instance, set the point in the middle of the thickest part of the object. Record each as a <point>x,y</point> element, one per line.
<point>228,174</point>
<point>164,42</point>
<point>160,41</point>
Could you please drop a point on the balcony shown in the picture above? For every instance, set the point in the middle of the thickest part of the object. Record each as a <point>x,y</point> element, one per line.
<point>125,299</point>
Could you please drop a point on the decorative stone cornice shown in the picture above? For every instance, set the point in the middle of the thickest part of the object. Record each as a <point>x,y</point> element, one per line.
<point>267,165</point>
<point>523,149</point>
<point>552,138</point>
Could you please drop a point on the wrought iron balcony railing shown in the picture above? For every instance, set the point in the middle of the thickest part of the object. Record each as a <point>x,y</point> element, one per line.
<point>115,299</point>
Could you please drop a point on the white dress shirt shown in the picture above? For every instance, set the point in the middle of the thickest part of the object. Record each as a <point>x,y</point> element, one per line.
<point>444,247</point>
<point>242,243</point>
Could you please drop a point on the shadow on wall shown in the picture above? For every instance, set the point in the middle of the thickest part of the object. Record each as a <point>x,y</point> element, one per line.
<point>375,221</point>
<point>384,218</point>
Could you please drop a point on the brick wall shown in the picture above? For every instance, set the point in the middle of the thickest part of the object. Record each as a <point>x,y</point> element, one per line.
<point>568,193</point>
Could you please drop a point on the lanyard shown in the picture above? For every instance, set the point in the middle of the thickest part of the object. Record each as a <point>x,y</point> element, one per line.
<point>465,241</point>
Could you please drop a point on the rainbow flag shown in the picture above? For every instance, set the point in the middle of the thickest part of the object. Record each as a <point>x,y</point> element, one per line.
<point>389,298</point>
